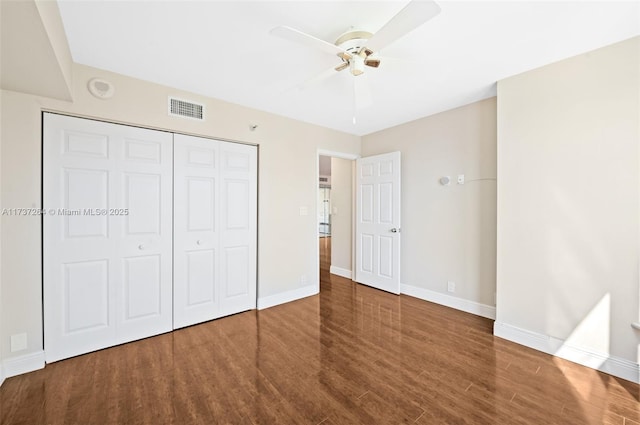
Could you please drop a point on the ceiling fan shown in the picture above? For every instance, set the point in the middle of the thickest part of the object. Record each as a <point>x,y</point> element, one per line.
<point>358,49</point>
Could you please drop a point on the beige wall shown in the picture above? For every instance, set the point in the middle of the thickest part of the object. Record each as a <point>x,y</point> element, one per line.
<point>50,16</point>
<point>35,55</point>
<point>341,217</point>
<point>448,233</point>
<point>568,213</point>
<point>287,180</point>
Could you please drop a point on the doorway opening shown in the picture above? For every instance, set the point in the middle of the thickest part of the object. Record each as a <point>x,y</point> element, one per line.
<point>335,206</point>
<point>324,214</point>
<point>324,197</point>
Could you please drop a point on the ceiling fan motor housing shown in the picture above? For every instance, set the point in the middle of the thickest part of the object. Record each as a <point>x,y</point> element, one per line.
<point>353,42</point>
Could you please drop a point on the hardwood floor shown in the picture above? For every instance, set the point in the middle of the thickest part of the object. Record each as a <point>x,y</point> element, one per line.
<point>350,355</point>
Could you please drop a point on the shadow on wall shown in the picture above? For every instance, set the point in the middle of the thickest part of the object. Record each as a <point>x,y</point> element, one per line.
<point>589,344</point>
<point>583,304</point>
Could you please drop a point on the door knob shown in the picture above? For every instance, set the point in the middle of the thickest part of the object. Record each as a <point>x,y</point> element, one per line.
<point>394,230</point>
<point>199,242</point>
<point>141,247</point>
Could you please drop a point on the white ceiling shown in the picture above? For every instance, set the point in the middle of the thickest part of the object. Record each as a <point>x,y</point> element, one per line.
<point>223,49</point>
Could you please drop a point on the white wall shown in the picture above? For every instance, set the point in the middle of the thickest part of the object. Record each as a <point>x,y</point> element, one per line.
<point>341,216</point>
<point>287,180</point>
<point>568,215</point>
<point>448,233</point>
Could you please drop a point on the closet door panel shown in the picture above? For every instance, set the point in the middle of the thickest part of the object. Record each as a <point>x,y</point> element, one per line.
<point>145,265</point>
<point>79,287</point>
<point>107,257</point>
<point>201,272</point>
<point>237,280</point>
<point>238,227</point>
<point>143,202</point>
<point>196,234</point>
<point>85,290</point>
<point>83,187</point>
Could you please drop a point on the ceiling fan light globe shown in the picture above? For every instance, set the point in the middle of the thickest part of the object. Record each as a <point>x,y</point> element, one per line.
<point>357,65</point>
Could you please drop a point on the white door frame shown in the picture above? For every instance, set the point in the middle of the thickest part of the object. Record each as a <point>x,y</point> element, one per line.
<point>350,157</point>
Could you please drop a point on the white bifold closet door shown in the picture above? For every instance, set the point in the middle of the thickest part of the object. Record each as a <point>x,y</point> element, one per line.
<point>215,229</point>
<point>137,242</point>
<point>107,194</point>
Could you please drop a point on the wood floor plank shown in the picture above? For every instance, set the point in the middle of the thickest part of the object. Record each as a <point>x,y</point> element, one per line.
<point>350,355</point>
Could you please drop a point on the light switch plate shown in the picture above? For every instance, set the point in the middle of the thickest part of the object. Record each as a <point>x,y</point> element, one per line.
<point>304,211</point>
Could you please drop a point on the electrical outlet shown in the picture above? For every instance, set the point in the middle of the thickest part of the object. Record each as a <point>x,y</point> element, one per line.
<point>460,178</point>
<point>18,342</point>
<point>304,211</point>
<point>451,286</point>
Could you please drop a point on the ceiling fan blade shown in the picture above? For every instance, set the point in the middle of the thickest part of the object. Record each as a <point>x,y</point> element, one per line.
<point>414,14</point>
<point>342,67</point>
<point>317,79</point>
<point>300,37</point>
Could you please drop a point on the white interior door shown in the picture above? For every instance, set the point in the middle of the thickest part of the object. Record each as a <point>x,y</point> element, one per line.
<point>196,294</point>
<point>238,227</point>
<point>215,229</point>
<point>378,221</point>
<point>107,192</point>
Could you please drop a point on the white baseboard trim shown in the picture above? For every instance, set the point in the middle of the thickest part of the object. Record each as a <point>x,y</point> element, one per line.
<point>287,296</point>
<point>340,272</point>
<point>447,300</point>
<point>1,374</point>
<point>615,366</point>
<point>22,364</point>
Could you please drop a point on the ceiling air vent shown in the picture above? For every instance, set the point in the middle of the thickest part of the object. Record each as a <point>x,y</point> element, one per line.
<point>186,109</point>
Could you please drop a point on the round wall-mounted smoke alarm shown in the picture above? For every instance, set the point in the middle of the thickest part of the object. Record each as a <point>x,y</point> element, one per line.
<point>102,89</point>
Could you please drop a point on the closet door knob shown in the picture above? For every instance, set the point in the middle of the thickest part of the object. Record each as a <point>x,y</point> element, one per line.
<point>199,242</point>
<point>141,247</point>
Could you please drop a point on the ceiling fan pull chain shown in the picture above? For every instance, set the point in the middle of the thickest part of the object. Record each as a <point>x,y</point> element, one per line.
<point>355,105</point>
